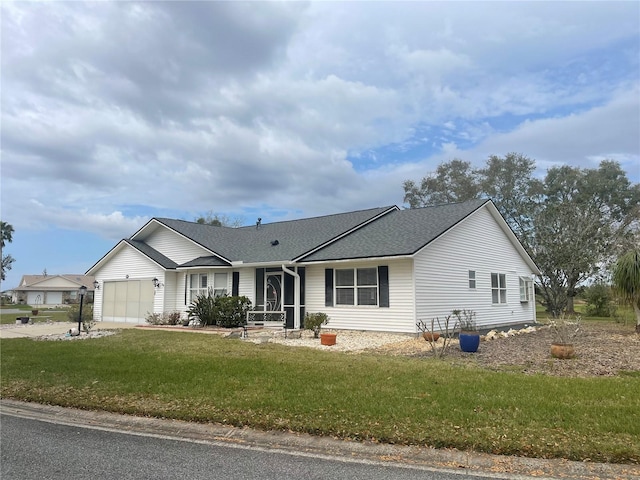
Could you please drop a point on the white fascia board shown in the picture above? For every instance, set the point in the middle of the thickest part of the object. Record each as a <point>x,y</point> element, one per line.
<point>277,263</point>
<point>204,267</point>
<point>353,260</point>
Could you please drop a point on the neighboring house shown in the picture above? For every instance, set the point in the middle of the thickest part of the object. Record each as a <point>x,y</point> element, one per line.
<point>377,269</point>
<point>52,290</point>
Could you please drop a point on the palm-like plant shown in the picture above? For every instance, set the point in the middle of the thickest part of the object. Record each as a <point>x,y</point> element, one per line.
<point>626,281</point>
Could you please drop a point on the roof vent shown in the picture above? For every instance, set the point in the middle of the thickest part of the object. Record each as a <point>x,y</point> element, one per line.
<point>258,223</point>
<point>274,243</point>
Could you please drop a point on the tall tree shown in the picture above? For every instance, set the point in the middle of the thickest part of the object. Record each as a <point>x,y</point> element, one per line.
<point>571,223</point>
<point>452,182</point>
<point>219,220</point>
<point>510,183</point>
<point>6,232</point>
<point>626,281</point>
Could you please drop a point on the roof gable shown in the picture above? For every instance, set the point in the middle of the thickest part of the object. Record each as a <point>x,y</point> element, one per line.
<point>400,233</point>
<point>55,282</point>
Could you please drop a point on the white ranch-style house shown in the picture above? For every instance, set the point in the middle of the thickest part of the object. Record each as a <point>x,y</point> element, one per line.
<point>378,269</point>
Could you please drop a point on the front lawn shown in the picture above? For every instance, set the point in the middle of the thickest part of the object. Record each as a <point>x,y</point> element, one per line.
<point>54,314</point>
<point>419,401</point>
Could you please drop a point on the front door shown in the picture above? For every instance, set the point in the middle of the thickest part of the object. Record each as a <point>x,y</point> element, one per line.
<point>273,292</point>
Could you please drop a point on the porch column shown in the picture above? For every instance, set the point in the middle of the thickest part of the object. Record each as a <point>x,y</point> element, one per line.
<point>296,296</point>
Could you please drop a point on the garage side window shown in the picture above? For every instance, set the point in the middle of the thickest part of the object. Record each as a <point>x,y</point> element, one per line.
<point>198,285</point>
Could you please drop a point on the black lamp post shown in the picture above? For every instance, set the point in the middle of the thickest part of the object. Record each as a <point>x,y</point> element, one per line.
<point>83,291</point>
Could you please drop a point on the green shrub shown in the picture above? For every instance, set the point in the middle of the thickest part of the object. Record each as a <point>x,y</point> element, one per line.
<point>204,309</point>
<point>599,300</point>
<point>225,311</point>
<point>314,321</point>
<point>74,312</point>
<point>231,312</point>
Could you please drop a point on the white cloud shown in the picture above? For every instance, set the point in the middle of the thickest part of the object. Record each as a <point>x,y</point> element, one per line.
<point>224,106</point>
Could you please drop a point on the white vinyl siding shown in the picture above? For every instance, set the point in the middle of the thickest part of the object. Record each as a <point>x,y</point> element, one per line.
<point>442,273</point>
<point>398,317</point>
<point>247,284</point>
<point>174,246</point>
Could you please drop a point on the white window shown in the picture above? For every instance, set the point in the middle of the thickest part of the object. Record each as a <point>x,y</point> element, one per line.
<point>198,285</point>
<point>357,286</point>
<point>525,289</point>
<point>498,288</point>
<point>472,279</point>
<point>219,284</point>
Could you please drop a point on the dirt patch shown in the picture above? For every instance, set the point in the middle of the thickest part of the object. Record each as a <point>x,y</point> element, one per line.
<point>602,349</point>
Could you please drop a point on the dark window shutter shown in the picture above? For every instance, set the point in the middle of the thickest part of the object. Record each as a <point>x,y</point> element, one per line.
<point>383,285</point>
<point>235,284</point>
<point>301,272</point>
<point>260,288</point>
<point>328,287</point>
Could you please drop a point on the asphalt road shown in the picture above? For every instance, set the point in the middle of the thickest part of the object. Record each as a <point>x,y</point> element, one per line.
<point>33,449</point>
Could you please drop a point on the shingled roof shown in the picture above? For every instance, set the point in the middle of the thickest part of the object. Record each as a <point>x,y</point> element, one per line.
<point>373,233</point>
<point>274,242</point>
<point>153,254</point>
<point>401,232</point>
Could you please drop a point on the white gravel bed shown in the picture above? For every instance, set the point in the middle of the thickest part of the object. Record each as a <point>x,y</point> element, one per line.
<point>82,336</point>
<point>346,340</point>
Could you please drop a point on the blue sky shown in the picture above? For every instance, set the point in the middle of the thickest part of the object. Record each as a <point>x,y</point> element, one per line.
<point>115,112</point>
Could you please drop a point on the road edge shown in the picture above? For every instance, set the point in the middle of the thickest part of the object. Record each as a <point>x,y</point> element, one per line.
<point>449,460</point>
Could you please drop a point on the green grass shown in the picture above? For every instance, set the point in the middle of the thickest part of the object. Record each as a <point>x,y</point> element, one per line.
<point>55,313</point>
<point>388,399</point>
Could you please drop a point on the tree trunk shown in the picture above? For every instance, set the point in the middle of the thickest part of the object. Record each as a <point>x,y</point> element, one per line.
<point>636,309</point>
<point>570,309</point>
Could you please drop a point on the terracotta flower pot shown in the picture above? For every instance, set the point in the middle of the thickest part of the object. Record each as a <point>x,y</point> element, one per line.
<point>431,336</point>
<point>562,350</point>
<point>327,339</point>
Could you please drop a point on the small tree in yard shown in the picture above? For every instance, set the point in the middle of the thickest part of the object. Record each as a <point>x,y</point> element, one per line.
<point>599,300</point>
<point>626,281</point>
<point>314,321</point>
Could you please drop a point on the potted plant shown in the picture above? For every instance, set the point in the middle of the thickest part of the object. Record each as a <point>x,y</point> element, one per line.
<point>314,322</point>
<point>565,330</point>
<point>469,335</point>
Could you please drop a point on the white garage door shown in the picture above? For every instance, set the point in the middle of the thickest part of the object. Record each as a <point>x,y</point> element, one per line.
<point>127,301</point>
<point>35,298</point>
<point>54,298</point>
